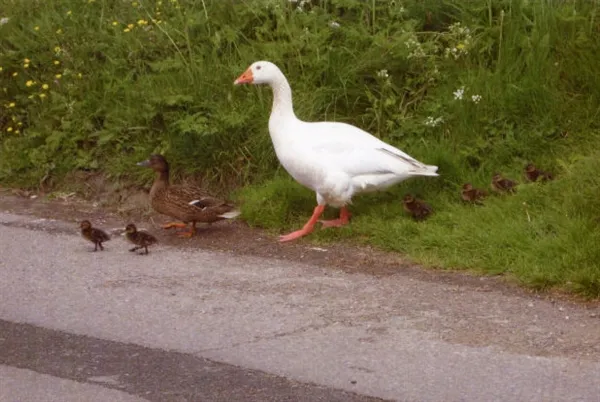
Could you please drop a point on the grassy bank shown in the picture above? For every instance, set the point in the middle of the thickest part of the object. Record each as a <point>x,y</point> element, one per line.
<point>473,87</point>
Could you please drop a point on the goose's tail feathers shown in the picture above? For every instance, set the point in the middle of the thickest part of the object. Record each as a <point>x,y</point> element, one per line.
<point>426,170</point>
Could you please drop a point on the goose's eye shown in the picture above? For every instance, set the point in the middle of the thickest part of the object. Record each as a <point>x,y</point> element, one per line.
<point>258,67</point>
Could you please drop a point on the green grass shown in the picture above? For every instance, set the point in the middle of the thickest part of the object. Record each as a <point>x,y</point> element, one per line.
<point>125,92</point>
<point>544,235</point>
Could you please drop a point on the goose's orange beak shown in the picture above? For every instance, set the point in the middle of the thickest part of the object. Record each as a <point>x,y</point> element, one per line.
<point>245,78</point>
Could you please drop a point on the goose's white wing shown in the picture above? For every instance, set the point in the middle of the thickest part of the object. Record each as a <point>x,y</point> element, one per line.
<point>342,147</point>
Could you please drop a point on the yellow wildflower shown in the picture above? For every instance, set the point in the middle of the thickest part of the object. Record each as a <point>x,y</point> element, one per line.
<point>42,96</point>
<point>19,124</point>
<point>460,46</point>
<point>11,104</point>
<point>130,26</point>
<point>79,75</point>
<point>45,86</point>
<point>115,23</point>
<point>25,65</point>
<point>56,62</point>
<point>59,31</point>
<point>58,76</point>
<point>26,61</point>
<point>57,49</point>
<point>126,30</point>
<point>159,2</point>
<point>17,131</point>
<point>135,4</point>
<point>15,74</point>
<point>30,83</point>
<point>36,28</point>
<point>9,129</point>
<point>0,69</point>
<point>69,12</point>
<point>30,96</point>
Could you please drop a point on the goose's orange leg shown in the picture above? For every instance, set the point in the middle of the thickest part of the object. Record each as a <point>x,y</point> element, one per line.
<point>188,233</point>
<point>307,228</point>
<point>341,221</point>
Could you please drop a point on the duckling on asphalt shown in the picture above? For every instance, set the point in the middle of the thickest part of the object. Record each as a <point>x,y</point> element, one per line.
<point>186,203</point>
<point>140,238</point>
<point>500,184</point>
<point>95,235</point>
<point>532,173</point>
<point>418,209</point>
<point>472,194</point>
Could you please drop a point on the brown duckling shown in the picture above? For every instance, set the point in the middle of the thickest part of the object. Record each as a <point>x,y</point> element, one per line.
<point>532,173</point>
<point>501,184</point>
<point>418,209</point>
<point>140,238</point>
<point>183,202</point>
<point>95,235</point>
<point>472,194</point>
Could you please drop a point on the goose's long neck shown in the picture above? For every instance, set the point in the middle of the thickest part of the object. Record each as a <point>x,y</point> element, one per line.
<point>283,109</point>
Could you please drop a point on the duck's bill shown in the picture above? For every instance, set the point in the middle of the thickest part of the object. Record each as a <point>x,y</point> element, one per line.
<point>245,78</point>
<point>145,163</point>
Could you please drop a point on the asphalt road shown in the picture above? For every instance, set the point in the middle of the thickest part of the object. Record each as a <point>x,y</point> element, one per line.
<point>187,325</point>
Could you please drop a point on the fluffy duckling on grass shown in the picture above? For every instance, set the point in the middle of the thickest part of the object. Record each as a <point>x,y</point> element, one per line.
<point>418,209</point>
<point>500,184</point>
<point>532,173</point>
<point>472,194</point>
<point>95,235</point>
<point>140,238</point>
<point>183,202</point>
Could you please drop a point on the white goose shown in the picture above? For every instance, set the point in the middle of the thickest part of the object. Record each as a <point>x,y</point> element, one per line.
<point>336,160</point>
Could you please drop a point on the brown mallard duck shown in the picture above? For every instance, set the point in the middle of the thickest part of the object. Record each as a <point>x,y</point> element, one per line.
<point>501,184</point>
<point>472,194</point>
<point>140,238</point>
<point>532,173</point>
<point>95,235</point>
<point>186,203</point>
<point>418,209</point>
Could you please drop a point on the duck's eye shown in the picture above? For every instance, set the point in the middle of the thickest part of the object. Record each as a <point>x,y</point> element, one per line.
<point>258,67</point>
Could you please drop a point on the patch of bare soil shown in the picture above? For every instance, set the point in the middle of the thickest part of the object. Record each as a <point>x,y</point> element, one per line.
<point>117,208</point>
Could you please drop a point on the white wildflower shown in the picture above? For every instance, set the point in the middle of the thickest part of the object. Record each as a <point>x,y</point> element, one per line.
<point>4,20</point>
<point>416,50</point>
<point>476,98</point>
<point>300,4</point>
<point>457,28</point>
<point>430,121</point>
<point>461,39</point>
<point>334,24</point>
<point>458,94</point>
<point>383,74</point>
